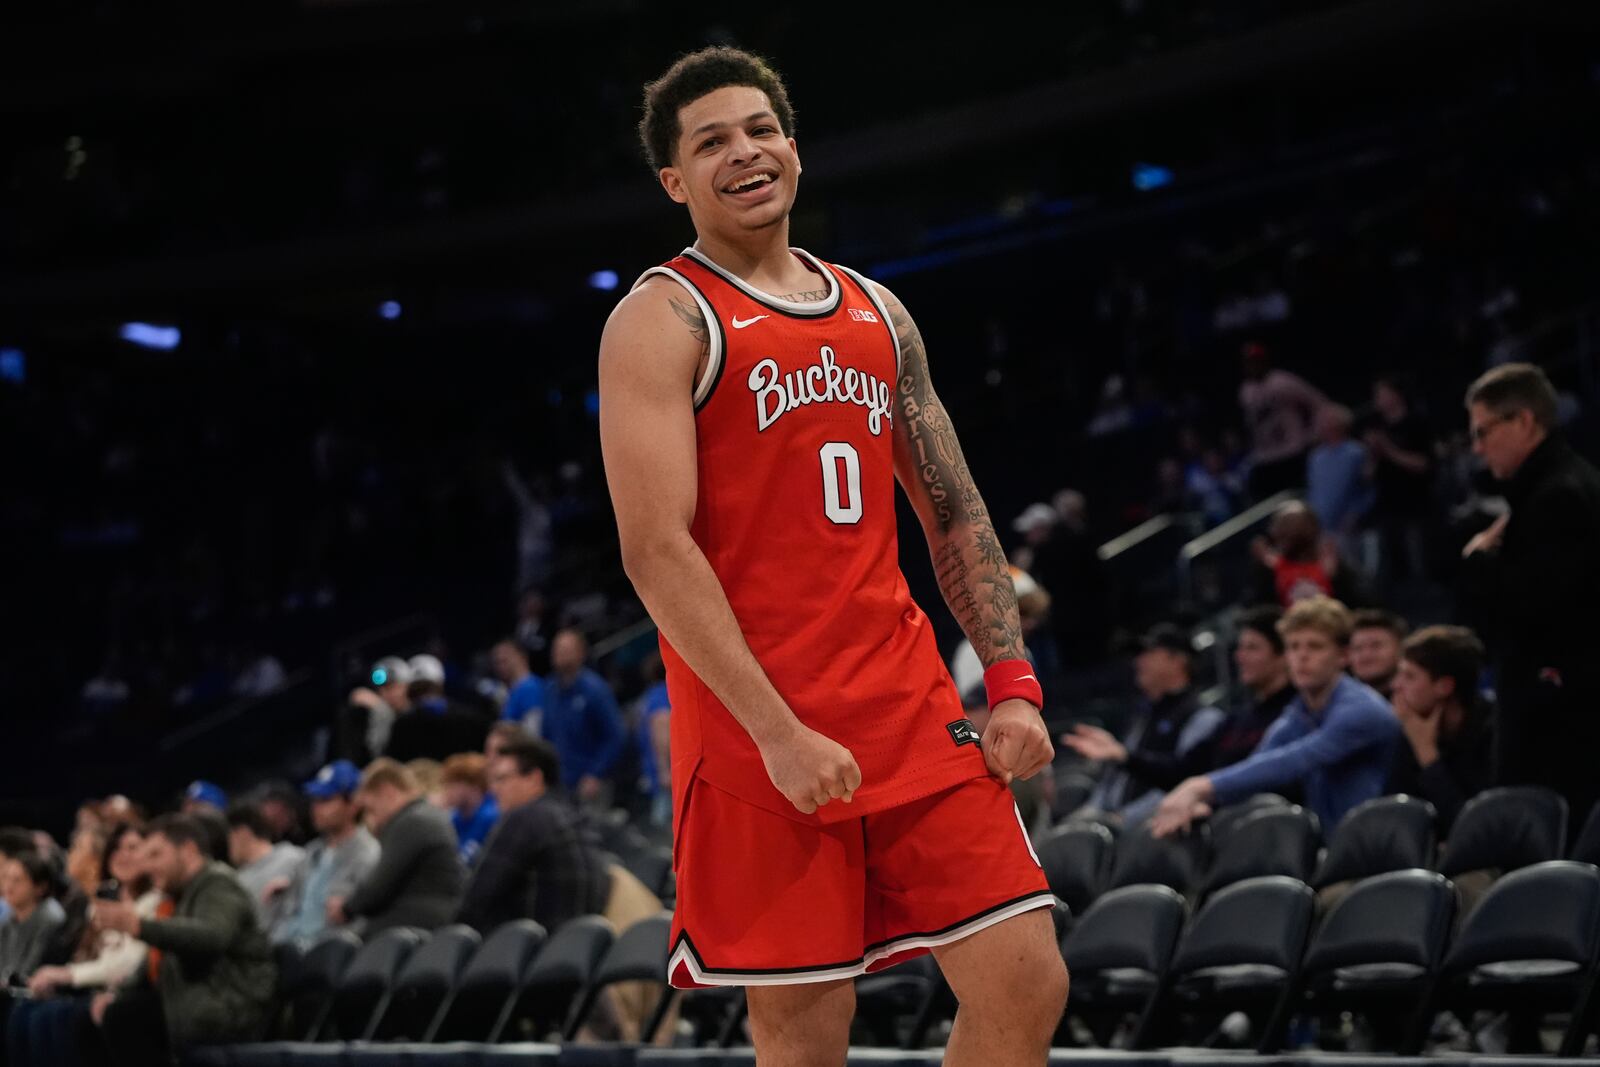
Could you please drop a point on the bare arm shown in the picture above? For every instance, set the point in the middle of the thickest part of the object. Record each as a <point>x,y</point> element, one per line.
<point>652,345</point>
<point>932,470</point>
<point>967,557</point>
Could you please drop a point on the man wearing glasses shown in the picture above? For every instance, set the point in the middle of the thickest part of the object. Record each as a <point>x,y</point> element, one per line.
<point>1532,579</point>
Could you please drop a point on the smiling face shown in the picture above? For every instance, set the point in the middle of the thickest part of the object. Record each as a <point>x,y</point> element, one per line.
<point>733,167</point>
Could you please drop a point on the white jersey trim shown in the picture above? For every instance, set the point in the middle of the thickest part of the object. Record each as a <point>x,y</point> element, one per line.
<point>683,956</point>
<point>714,353</point>
<point>883,313</point>
<point>827,306</point>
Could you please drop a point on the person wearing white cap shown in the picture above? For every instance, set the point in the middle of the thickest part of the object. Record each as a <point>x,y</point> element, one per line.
<point>369,715</point>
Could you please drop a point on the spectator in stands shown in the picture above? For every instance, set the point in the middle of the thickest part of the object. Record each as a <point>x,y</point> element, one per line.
<point>1298,562</point>
<point>1400,443</point>
<point>1375,647</point>
<point>654,739</point>
<point>1280,409</point>
<point>501,734</point>
<point>1264,673</point>
<point>85,855</point>
<point>281,805</point>
<point>1171,724</point>
<point>26,882</point>
<point>418,878</point>
<point>1336,740</point>
<point>335,862</point>
<point>524,689</point>
<point>1338,489</point>
<point>210,977</point>
<point>201,796</point>
<point>536,864</point>
<point>434,727</point>
<point>258,861</point>
<point>1533,579</point>
<point>581,719</point>
<point>367,720</point>
<point>46,1031</point>
<point>1448,757</point>
<point>464,784</point>
<point>531,632</point>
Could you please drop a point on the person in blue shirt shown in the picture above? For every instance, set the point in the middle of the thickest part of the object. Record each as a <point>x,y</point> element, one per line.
<point>1338,477</point>
<point>653,738</point>
<point>581,719</point>
<point>464,782</point>
<point>1336,739</point>
<point>524,689</point>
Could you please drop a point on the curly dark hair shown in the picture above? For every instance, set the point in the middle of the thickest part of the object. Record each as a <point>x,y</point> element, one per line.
<point>692,77</point>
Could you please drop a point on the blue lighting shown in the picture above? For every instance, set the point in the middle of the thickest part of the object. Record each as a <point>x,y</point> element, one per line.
<point>1147,176</point>
<point>591,403</point>
<point>13,365</point>
<point>143,334</point>
<point>389,309</point>
<point>605,280</point>
<point>554,397</point>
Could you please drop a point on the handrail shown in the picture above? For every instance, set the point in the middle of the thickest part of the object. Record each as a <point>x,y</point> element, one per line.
<point>1134,537</point>
<point>1230,529</point>
<point>609,644</point>
<point>233,711</point>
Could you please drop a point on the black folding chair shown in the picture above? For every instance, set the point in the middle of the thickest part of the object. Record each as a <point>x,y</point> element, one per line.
<point>1393,833</point>
<point>1276,839</point>
<point>1506,829</point>
<point>1378,953</point>
<point>425,985</point>
<point>560,972</point>
<point>307,987</point>
<point>639,955</point>
<point>1077,859</point>
<point>1530,947</point>
<point>1241,952</point>
<point>364,990</point>
<point>491,984</point>
<point>1176,862</point>
<point>1118,953</point>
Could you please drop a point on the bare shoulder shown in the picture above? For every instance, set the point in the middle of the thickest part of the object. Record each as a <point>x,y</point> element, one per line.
<point>658,320</point>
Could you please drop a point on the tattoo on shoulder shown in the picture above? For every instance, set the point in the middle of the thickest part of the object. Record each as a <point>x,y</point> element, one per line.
<point>691,317</point>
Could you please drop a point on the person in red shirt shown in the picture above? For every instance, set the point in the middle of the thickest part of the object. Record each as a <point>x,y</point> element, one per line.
<point>834,810</point>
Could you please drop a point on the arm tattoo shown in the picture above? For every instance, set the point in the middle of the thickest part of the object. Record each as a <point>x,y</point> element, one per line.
<point>692,318</point>
<point>967,556</point>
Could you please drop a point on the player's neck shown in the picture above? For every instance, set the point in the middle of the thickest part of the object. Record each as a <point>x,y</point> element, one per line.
<point>761,258</point>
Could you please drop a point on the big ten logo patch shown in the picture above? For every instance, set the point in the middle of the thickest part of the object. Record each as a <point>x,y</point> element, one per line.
<point>862,316</point>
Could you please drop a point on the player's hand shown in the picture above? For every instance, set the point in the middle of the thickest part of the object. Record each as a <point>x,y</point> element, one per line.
<point>810,770</point>
<point>1091,742</point>
<point>1016,744</point>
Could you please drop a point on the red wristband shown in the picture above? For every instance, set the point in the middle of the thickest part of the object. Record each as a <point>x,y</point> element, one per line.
<point>1013,679</point>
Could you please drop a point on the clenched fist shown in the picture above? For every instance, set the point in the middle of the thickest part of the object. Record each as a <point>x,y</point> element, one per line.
<point>1016,744</point>
<point>810,769</point>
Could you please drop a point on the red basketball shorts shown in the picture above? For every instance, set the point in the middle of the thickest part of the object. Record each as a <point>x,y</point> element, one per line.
<point>765,900</point>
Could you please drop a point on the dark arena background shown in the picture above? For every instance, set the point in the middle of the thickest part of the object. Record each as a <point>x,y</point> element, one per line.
<point>300,305</point>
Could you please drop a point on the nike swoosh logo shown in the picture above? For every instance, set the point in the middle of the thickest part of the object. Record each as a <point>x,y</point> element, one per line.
<point>739,324</point>
<point>1026,678</point>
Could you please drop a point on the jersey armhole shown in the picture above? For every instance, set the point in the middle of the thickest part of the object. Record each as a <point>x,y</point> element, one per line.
<point>717,344</point>
<point>883,313</point>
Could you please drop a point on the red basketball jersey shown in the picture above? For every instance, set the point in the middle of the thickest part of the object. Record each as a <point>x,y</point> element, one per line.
<point>796,513</point>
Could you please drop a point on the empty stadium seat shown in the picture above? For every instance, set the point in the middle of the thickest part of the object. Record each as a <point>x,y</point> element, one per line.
<point>1241,952</point>
<point>1077,860</point>
<point>367,984</point>
<point>308,988</point>
<point>491,984</point>
<point>1506,829</point>
<point>1586,849</point>
<point>652,865</point>
<point>1224,819</point>
<point>639,955</point>
<point>1118,953</point>
<point>1383,834</point>
<point>560,972</point>
<point>1177,862</point>
<point>1378,951</point>
<point>424,986</point>
<point>902,992</point>
<point>1530,944</point>
<point>1276,839</point>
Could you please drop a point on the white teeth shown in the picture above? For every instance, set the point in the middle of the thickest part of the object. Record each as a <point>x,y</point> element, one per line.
<point>748,182</point>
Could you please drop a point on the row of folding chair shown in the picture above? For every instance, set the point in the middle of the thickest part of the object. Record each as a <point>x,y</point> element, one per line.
<point>1384,949</point>
<point>1501,830</point>
<point>452,985</point>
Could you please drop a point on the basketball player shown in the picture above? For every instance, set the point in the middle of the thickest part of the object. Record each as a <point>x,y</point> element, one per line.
<point>834,811</point>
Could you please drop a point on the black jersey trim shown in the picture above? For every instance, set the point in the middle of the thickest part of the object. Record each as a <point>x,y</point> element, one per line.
<point>783,307</point>
<point>717,349</point>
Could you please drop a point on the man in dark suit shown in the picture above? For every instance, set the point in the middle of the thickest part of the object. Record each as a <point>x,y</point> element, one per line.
<point>1532,583</point>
